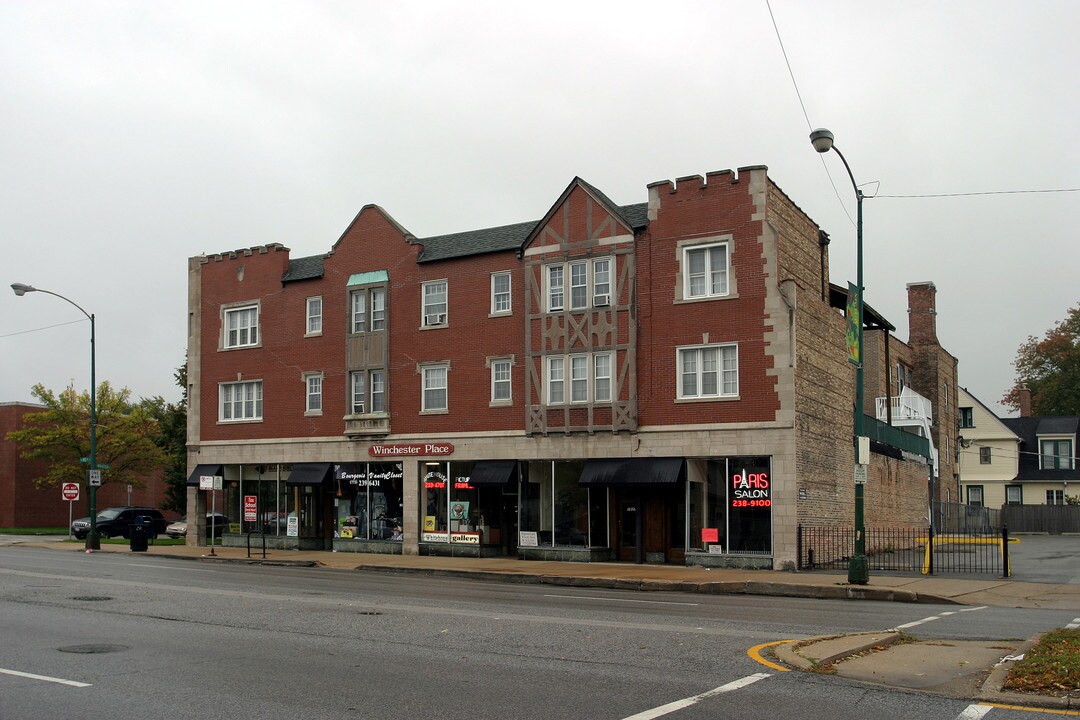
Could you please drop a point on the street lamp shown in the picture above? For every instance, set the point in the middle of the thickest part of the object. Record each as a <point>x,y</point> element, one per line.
<point>93,542</point>
<point>858,568</point>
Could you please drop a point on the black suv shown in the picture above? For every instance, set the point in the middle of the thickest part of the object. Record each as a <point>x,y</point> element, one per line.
<point>114,522</point>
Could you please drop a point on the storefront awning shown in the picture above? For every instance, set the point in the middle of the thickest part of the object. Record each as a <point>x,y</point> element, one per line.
<point>493,472</point>
<point>633,471</point>
<point>199,471</point>
<point>309,474</point>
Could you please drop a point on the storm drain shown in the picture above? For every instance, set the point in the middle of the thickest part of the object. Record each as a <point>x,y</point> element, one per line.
<point>92,649</point>
<point>368,612</point>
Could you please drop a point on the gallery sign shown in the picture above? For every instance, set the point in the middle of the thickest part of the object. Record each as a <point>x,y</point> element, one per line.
<point>411,449</point>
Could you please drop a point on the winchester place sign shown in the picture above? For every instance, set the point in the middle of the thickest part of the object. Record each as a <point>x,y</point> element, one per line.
<point>411,449</point>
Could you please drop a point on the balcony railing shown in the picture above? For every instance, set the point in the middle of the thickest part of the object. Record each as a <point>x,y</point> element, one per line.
<point>910,405</point>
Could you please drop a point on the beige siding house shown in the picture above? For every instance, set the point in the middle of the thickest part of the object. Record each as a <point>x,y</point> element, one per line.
<point>989,455</point>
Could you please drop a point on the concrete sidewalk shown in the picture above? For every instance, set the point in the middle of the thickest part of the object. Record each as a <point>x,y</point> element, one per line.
<point>958,668</point>
<point>982,591</point>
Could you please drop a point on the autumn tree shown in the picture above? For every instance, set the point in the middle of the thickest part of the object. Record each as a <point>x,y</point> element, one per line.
<point>1050,368</point>
<point>171,438</point>
<point>60,435</point>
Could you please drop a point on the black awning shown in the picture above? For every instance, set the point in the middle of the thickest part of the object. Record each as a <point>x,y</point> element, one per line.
<point>199,471</point>
<point>633,471</point>
<point>309,474</point>
<point>601,472</point>
<point>493,472</point>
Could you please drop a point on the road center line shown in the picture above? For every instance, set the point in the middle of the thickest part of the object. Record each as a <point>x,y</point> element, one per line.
<point>687,702</point>
<point>46,678</point>
<point>607,599</point>
<point>974,712</point>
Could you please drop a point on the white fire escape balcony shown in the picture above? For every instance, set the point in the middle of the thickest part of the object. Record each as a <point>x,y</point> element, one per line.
<point>912,413</point>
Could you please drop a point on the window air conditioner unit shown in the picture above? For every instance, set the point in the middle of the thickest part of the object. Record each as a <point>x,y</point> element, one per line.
<point>435,319</point>
<point>602,300</point>
<point>358,409</point>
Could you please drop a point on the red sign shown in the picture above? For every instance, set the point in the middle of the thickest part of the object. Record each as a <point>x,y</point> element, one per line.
<point>251,508</point>
<point>416,449</point>
<point>70,491</point>
<point>710,535</point>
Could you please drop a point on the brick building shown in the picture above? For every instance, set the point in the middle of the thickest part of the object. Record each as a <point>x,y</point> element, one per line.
<point>24,505</point>
<point>659,382</point>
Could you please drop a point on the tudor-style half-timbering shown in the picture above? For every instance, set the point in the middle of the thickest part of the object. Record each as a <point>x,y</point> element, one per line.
<point>580,329</point>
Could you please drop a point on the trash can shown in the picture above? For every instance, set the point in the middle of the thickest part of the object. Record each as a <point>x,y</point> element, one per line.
<point>137,531</point>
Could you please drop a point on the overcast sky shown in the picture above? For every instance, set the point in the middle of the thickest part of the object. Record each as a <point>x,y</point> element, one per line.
<point>134,135</point>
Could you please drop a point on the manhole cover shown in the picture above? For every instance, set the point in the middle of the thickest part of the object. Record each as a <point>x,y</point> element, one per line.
<point>91,598</point>
<point>92,649</point>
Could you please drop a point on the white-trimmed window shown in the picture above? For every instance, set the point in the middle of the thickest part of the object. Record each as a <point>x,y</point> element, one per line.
<point>1014,494</point>
<point>240,401</point>
<point>555,288</point>
<point>434,397</point>
<point>601,282</point>
<point>435,305</point>
<point>590,378</point>
<point>500,293</point>
<point>500,380</point>
<point>242,326</point>
<point>378,391</point>
<point>705,271</point>
<point>367,392</point>
<point>709,371</point>
<point>1055,497</point>
<point>359,311</point>
<point>556,380</point>
<point>378,309</point>
<point>602,377</point>
<point>368,310</point>
<point>1055,454</point>
<point>314,316</point>
<point>579,285</point>
<point>314,383</point>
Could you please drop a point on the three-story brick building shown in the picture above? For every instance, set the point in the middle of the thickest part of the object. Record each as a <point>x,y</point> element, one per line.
<point>661,382</point>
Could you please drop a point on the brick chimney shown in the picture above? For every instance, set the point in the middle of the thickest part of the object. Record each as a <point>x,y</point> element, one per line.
<point>1025,401</point>
<point>922,313</point>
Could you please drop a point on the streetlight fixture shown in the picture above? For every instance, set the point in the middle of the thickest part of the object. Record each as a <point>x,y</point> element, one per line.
<point>858,568</point>
<point>93,542</point>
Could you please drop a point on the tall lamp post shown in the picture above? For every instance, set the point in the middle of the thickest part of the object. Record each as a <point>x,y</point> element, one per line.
<point>93,542</point>
<point>858,568</point>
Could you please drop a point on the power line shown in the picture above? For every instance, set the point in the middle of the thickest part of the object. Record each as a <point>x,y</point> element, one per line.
<point>47,327</point>
<point>988,192</point>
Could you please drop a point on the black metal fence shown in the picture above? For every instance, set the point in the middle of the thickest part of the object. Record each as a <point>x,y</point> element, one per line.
<point>910,550</point>
<point>959,518</point>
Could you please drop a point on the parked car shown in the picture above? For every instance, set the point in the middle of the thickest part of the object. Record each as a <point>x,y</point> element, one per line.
<point>114,522</point>
<point>220,523</point>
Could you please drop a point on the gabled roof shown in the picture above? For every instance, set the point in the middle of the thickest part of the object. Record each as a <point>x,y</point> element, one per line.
<point>991,413</point>
<point>1029,429</point>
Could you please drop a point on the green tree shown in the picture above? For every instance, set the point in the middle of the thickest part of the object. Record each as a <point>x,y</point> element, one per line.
<point>60,435</point>
<point>1050,367</point>
<point>171,438</point>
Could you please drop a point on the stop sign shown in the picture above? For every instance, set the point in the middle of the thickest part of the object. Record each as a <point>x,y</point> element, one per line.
<point>71,491</point>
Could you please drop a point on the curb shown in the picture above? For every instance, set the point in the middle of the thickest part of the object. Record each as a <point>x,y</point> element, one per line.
<point>992,692</point>
<point>789,653</point>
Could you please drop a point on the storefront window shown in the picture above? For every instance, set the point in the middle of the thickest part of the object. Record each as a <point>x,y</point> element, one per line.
<point>368,497</point>
<point>750,500</point>
<point>266,483</point>
<point>458,511</point>
<point>571,506</point>
<point>558,510</point>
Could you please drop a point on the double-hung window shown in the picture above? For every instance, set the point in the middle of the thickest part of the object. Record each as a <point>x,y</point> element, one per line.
<point>555,287</point>
<point>314,316</point>
<point>359,311</point>
<point>378,309</point>
<point>434,397</point>
<point>367,392</point>
<point>500,293</point>
<point>590,378</point>
<point>984,455</point>
<point>710,371</point>
<point>435,304</point>
<point>967,417</point>
<point>500,381</point>
<point>705,269</point>
<point>601,282</point>
<point>1056,454</point>
<point>368,310</point>
<point>579,285</point>
<point>1014,494</point>
<point>1055,497</point>
<point>242,326</point>
<point>240,401</point>
<point>314,382</point>
<point>975,495</point>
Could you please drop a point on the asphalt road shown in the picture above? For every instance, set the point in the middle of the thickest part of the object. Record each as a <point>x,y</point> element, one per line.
<point>146,637</point>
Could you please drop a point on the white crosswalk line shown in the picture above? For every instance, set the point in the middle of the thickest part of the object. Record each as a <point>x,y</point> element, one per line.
<point>687,702</point>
